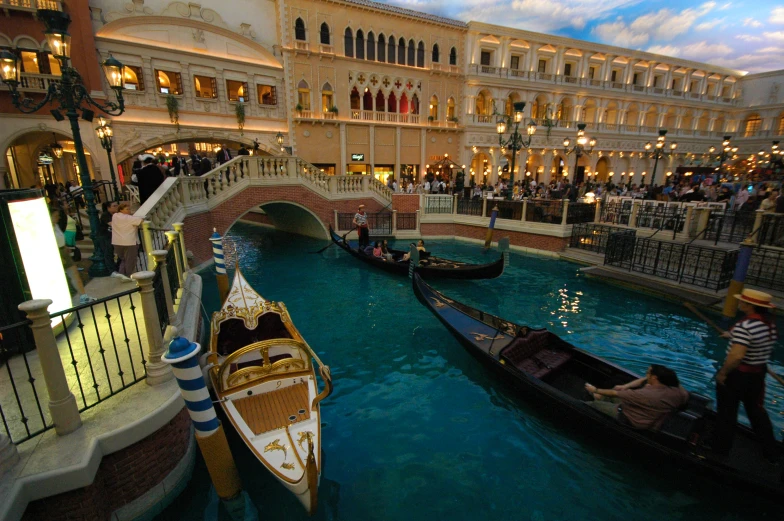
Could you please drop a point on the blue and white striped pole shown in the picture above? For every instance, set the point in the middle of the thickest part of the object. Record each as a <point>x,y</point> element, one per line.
<point>220,265</point>
<point>183,357</point>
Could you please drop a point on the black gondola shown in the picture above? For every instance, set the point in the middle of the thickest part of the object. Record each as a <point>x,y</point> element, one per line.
<point>434,267</point>
<point>551,374</point>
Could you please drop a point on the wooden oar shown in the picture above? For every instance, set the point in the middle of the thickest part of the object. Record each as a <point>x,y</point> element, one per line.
<point>331,242</point>
<point>719,330</point>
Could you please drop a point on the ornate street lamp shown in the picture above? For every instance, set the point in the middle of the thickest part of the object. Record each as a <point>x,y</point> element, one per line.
<point>657,152</point>
<point>57,148</point>
<point>69,95</point>
<point>775,156</point>
<point>279,140</point>
<point>105,134</point>
<point>579,147</point>
<point>726,151</point>
<point>515,141</point>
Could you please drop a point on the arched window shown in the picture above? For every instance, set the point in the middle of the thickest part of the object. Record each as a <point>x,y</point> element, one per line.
<point>380,102</point>
<point>324,34</point>
<point>453,56</point>
<point>435,57</point>
<point>411,53</point>
<point>355,100</point>
<point>360,45</point>
<point>392,103</point>
<point>349,43</point>
<point>327,97</point>
<point>382,47</point>
<point>299,30</point>
<point>421,54</point>
<point>391,50</point>
<point>404,108</point>
<point>414,104</point>
<point>401,52</point>
<point>482,104</point>
<point>367,100</point>
<point>303,95</point>
<point>450,109</point>
<point>751,125</point>
<point>371,46</point>
<point>433,107</point>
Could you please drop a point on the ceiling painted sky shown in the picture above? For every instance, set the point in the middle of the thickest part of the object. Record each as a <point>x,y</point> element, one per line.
<point>743,35</point>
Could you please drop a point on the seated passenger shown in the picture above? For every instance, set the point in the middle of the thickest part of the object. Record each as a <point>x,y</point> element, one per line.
<point>377,250</point>
<point>368,250</point>
<point>420,246</point>
<point>643,403</point>
<point>385,252</point>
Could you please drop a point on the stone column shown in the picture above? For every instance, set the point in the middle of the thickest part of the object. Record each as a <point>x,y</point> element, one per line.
<point>180,229</point>
<point>454,204</point>
<point>525,209</point>
<point>147,244</point>
<point>62,403</point>
<point>157,371</point>
<point>172,236</point>
<point>394,221</point>
<point>754,236</point>
<point>635,211</point>
<point>702,220</point>
<point>565,212</point>
<point>160,259</point>
<point>597,216</point>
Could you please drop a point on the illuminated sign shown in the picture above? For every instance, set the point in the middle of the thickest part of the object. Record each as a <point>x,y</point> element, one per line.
<point>357,157</point>
<point>40,254</point>
<point>45,159</point>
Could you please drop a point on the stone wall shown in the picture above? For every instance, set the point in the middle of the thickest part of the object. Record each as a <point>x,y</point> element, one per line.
<point>524,240</point>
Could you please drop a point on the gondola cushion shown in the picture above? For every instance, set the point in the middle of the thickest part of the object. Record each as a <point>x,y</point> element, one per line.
<point>531,354</point>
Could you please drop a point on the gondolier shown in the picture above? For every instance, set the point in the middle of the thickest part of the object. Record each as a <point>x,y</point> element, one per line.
<point>360,221</point>
<point>742,377</point>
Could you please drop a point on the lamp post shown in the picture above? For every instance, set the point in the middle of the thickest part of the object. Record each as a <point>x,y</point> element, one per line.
<point>658,152</point>
<point>105,134</point>
<point>279,140</point>
<point>776,155</point>
<point>579,147</point>
<point>69,95</point>
<point>515,141</point>
<point>726,151</point>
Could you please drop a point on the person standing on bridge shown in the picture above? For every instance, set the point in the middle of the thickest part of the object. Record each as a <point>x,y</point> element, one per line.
<point>149,179</point>
<point>360,221</point>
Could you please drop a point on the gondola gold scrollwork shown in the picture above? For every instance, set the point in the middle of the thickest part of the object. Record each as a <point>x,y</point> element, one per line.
<point>481,337</point>
<point>275,445</point>
<point>304,436</point>
<point>437,303</point>
<point>287,466</point>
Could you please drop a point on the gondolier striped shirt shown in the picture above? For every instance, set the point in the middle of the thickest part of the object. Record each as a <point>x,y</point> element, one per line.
<point>758,338</point>
<point>361,219</point>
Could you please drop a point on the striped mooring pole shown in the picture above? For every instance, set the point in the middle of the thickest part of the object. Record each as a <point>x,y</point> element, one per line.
<point>183,357</point>
<point>489,236</point>
<point>220,265</point>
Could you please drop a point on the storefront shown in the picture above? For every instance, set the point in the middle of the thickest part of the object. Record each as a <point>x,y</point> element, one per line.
<point>383,172</point>
<point>326,168</point>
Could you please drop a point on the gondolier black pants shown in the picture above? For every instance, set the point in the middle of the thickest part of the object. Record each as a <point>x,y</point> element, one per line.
<point>364,237</point>
<point>748,388</point>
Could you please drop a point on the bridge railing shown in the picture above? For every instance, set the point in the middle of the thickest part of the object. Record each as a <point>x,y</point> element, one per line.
<point>179,193</point>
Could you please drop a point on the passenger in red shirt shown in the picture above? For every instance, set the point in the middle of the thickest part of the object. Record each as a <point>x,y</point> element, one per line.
<point>643,403</point>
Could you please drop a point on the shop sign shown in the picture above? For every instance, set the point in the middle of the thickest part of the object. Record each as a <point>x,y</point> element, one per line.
<point>357,157</point>
<point>45,159</point>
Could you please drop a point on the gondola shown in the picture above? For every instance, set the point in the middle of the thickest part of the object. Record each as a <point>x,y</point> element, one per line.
<point>263,376</point>
<point>551,374</point>
<point>430,267</point>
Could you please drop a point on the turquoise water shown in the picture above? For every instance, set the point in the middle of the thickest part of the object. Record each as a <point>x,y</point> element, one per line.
<point>417,430</point>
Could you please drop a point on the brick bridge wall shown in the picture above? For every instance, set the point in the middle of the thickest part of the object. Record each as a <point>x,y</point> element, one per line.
<point>199,227</point>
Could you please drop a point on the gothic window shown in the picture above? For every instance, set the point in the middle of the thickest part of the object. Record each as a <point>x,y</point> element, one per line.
<point>382,47</point>
<point>299,30</point>
<point>371,46</point>
<point>360,45</point>
<point>435,57</point>
<point>421,54</point>
<point>349,43</point>
<point>453,56</point>
<point>324,34</point>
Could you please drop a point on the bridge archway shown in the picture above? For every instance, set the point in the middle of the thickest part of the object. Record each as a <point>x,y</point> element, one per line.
<point>286,216</point>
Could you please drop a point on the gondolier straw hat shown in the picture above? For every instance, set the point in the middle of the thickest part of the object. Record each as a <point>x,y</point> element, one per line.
<point>756,298</point>
<point>361,205</point>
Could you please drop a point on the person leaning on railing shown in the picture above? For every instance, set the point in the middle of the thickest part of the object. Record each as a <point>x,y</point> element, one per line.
<point>125,239</point>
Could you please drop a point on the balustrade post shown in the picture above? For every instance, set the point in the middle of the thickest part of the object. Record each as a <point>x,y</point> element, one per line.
<point>62,402</point>
<point>147,243</point>
<point>180,229</point>
<point>417,220</point>
<point>565,214</point>
<point>454,204</point>
<point>525,209</point>
<point>336,220</point>
<point>172,237</point>
<point>755,231</point>
<point>635,211</point>
<point>365,184</point>
<point>291,167</point>
<point>703,218</point>
<point>8,454</point>
<point>252,167</point>
<point>394,221</point>
<point>484,206</point>
<point>689,218</point>
<point>332,184</point>
<point>597,216</point>
<point>160,259</point>
<point>157,371</point>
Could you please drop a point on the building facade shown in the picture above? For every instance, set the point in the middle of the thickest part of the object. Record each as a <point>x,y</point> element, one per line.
<point>359,87</point>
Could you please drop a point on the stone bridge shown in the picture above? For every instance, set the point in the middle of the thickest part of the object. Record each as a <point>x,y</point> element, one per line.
<point>294,195</point>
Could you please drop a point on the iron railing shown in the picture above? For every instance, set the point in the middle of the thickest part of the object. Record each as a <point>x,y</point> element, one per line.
<point>766,269</point>
<point>159,242</point>
<point>406,221</point>
<point>616,213</point>
<point>594,237</point>
<point>706,267</point>
<point>506,209</point>
<point>466,206</point>
<point>101,347</point>
<point>580,213</point>
<point>438,204</point>
<point>729,226</point>
<point>544,211</point>
<point>378,223</point>
<point>772,230</point>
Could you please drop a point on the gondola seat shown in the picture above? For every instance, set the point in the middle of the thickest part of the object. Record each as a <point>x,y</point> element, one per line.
<point>683,425</point>
<point>531,354</point>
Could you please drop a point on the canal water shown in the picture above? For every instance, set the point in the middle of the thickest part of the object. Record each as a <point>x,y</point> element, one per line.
<point>415,429</point>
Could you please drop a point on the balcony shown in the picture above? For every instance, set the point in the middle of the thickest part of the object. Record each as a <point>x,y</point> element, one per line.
<point>301,46</point>
<point>384,117</point>
<point>31,6</point>
<point>326,49</point>
<point>36,82</point>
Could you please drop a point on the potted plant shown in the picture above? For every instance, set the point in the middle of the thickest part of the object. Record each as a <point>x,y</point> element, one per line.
<point>454,119</point>
<point>430,118</point>
<point>333,109</point>
<point>298,108</point>
<point>173,106</point>
<point>239,111</point>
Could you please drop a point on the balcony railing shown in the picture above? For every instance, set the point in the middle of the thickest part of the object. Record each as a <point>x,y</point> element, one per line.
<point>301,46</point>
<point>31,5</point>
<point>391,117</point>
<point>37,82</point>
<point>327,49</point>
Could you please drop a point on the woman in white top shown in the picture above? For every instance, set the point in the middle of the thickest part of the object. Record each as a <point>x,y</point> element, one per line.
<point>125,238</point>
